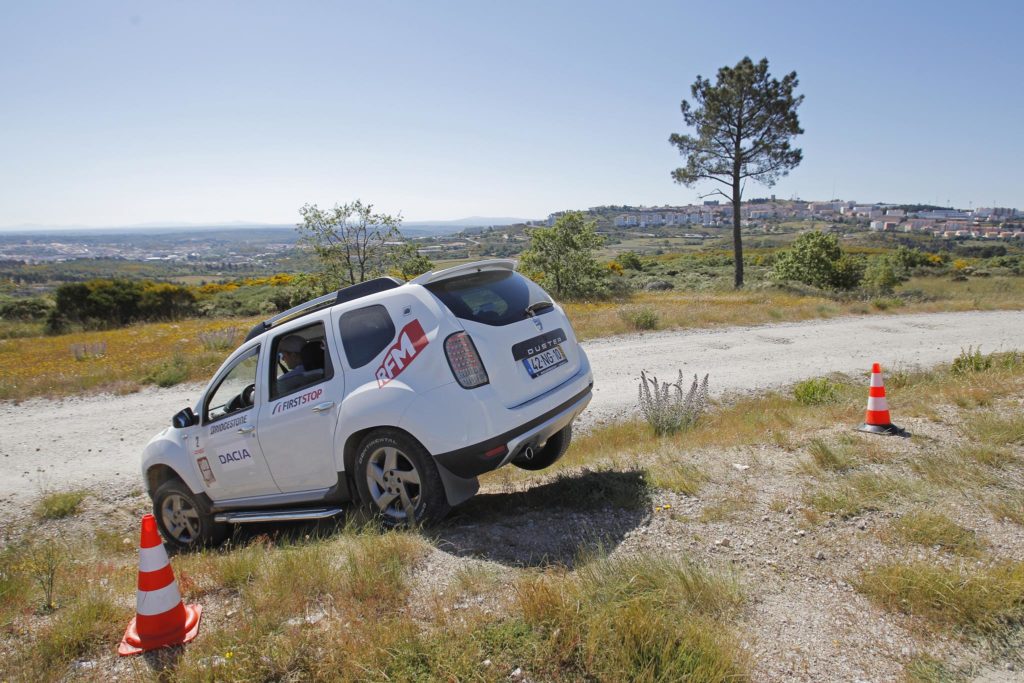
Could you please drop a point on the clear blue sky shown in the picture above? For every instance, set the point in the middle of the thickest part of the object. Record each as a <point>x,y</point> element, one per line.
<point>116,113</point>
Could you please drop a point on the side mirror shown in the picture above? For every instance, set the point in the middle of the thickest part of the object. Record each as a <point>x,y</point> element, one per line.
<point>184,418</point>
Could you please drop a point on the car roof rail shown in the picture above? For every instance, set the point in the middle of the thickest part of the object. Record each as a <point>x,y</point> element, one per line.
<point>350,293</point>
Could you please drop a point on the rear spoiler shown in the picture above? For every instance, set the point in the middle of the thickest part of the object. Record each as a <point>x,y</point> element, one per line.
<point>464,269</point>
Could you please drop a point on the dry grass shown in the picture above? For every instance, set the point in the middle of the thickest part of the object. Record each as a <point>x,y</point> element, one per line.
<point>675,475</point>
<point>1008,506</point>
<point>45,366</point>
<point>688,309</point>
<point>728,507</point>
<point>983,599</point>
<point>933,529</point>
<point>858,492</point>
<point>636,619</point>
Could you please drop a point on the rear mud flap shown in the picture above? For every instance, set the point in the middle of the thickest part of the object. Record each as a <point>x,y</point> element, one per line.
<point>457,489</point>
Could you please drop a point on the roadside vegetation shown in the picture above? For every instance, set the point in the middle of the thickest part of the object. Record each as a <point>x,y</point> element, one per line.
<point>758,500</point>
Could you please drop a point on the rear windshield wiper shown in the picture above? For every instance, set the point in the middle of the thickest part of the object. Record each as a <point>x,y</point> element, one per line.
<point>535,308</point>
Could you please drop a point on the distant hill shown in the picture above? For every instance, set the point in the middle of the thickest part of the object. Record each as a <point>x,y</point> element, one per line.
<point>416,227</point>
<point>441,227</point>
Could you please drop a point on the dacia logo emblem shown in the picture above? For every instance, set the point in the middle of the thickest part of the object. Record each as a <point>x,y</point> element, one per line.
<point>538,323</point>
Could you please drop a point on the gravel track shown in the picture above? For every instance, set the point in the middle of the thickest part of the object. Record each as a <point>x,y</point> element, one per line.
<point>95,441</point>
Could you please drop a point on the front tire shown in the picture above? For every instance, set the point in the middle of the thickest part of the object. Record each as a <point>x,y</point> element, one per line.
<point>398,481</point>
<point>553,450</point>
<point>183,518</point>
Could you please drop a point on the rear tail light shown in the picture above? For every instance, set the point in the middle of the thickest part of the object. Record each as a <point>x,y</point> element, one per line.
<point>465,361</point>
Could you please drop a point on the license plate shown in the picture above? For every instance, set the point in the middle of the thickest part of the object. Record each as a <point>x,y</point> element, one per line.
<point>544,361</point>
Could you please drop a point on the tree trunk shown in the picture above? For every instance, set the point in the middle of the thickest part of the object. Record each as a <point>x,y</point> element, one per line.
<point>737,239</point>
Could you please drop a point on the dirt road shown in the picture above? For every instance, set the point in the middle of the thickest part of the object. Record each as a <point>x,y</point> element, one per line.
<point>95,441</point>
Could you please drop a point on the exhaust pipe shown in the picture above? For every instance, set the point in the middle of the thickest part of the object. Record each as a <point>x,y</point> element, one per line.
<point>528,452</point>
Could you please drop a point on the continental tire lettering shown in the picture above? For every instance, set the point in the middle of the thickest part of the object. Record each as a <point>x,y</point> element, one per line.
<point>234,422</point>
<point>411,342</point>
<point>297,401</point>
<point>234,456</point>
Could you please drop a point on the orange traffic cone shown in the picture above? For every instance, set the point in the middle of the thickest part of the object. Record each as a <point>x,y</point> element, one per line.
<point>161,618</point>
<point>876,417</point>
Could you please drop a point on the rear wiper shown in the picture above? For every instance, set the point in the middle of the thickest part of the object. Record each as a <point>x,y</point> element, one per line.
<point>534,308</point>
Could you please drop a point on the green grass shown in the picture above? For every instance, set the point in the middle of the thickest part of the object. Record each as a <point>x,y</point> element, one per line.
<point>816,391</point>
<point>60,504</point>
<point>933,529</point>
<point>984,600</point>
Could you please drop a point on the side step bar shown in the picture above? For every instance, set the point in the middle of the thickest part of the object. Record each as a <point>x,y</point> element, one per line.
<point>296,515</point>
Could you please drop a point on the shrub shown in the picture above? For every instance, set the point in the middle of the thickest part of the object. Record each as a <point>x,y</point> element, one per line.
<point>816,391</point>
<point>816,259</point>
<point>643,318</point>
<point>25,310</point>
<point>43,562</point>
<point>631,260</point>
<point>170,372</point>
<point>58,505</point>
<point>881,276</point>
<point>969,361</point>
<point>219,340</point>
<point>667,408</point>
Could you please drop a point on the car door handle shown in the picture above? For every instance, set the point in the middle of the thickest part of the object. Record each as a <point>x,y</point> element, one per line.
<point>323,406</point>
<point>246,430</point>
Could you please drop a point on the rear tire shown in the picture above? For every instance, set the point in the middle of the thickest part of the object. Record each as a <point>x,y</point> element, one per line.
<point>184,520</point>
<point>553,450</point>
<point>398,481</point>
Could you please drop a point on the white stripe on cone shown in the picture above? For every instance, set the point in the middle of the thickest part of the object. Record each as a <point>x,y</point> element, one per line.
<point>151,603</point>
<point>152,559</point>
<point>877,403</point>
<point>876,379</point>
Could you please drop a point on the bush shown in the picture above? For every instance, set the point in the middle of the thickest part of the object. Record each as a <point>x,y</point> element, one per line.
<point>969,361</point>
<point>881,275</point>
<point>667,408</point>
<point>816,259</point>
<point>170,372</point>
<point>631,260</point>
<point>816,391</point>
<point>25,310</point>
<point>643,318</point>
<point>58,505</point>
<point>219,340</point>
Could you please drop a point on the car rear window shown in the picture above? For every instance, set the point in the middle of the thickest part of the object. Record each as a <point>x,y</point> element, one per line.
<point>492,297</point>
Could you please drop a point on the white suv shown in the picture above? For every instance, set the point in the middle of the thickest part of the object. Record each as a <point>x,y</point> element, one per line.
<point>393,395</point>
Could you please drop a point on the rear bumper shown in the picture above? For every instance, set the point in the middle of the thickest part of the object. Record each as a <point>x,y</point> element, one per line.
<point>472,461</point>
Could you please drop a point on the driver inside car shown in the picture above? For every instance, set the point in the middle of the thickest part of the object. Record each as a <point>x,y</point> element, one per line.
<point>290,352</point>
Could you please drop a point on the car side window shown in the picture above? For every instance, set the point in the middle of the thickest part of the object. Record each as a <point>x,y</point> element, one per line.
<point>300,360</point>
<point>365,332</point>
<point>236,391</point>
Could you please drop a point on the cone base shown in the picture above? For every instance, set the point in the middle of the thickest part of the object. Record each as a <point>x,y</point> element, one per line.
<point>133,643</point>
<point>884,430</point>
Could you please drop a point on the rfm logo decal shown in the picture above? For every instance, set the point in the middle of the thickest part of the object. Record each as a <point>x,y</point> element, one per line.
<point>411,341</point>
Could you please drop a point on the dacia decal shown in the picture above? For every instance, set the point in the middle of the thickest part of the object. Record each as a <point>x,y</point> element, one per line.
<point>234,456</point>
<point>297,401</point>
<point>411,342</point>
